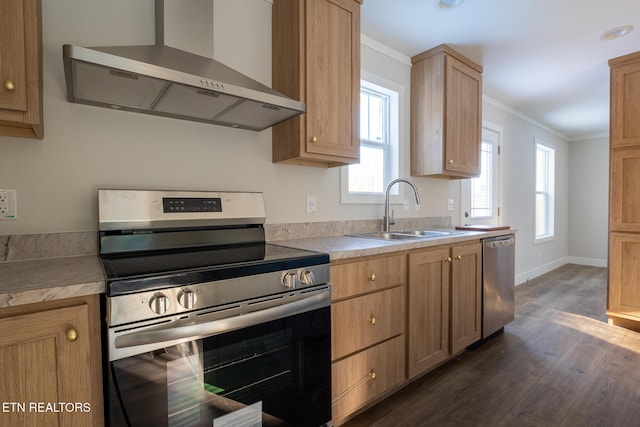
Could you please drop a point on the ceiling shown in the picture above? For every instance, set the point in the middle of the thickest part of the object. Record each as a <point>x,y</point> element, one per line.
<point>542,58</point>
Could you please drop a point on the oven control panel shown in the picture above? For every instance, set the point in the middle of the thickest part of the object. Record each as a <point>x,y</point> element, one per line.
<point>191,204</point>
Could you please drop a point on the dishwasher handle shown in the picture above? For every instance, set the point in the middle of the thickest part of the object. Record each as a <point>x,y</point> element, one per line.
<point>498,243</point>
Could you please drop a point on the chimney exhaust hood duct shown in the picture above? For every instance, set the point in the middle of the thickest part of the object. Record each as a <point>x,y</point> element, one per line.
<point>165,81</point>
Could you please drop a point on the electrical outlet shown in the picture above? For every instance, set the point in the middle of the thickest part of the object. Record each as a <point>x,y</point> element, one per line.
<point>450,205</point>
<point>312,205</point>
<point>8,204</point>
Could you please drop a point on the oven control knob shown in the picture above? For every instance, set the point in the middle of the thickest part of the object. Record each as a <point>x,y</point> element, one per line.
<point>187,298</point>
<point>289,280</point>
<point>159,303</point>
<point>306,277</point>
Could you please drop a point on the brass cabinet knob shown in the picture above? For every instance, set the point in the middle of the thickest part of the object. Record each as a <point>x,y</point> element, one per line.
<point>72,334</point>
<point>372,320</point>
<point>447,259</point>
<point>458,257</point>
<point>314,139</point>
<point>372,277</point>
<point>451,161</point>
<point>8,85</point>
<point>372,374</point>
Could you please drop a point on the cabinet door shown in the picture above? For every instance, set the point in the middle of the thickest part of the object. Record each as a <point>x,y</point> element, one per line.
<point>12,56</point>
<point>624,274</point>
<point>466,296</point>
<point>360,322</point>
<point>39,363</point>
<point>333,77</point>
<point>625,105</point>
<point>624,194</point>
<point>428,310</point>
<point>463,94</point>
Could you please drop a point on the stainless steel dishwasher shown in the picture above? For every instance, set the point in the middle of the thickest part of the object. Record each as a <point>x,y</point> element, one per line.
<point>498,277</point>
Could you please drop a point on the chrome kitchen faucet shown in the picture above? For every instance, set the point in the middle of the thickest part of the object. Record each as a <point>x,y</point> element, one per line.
<point>388,221</point>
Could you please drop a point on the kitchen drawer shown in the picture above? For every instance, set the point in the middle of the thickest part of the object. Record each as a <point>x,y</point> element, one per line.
<point>360,378</point>
<point>360,277</point>
<point>360,322</point>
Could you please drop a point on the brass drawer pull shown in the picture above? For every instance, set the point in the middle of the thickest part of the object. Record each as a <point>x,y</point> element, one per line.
<point>458,257</point>
<point>314,139</point>
<point>372,320</point>
<point>8,85</point>
<point>72,334</point>
<point>372,277</point>
<point>447,259</point>
<point>372,374</point>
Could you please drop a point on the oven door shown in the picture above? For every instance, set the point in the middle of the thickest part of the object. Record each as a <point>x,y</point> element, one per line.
<point>283,365</point>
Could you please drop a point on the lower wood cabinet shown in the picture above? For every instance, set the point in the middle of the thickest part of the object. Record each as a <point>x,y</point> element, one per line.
<point>50,361</point>
<point>368,324</point>
<point>443,303</point>
<point>428,310</point>
<point>395,317</point>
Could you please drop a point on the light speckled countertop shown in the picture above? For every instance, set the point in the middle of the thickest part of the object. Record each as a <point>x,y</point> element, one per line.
<point>345,247</point>
<point>37,280</point>
<point>31,281</point>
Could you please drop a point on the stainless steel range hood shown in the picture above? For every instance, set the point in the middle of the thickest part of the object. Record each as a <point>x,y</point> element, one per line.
<point>165,81</point>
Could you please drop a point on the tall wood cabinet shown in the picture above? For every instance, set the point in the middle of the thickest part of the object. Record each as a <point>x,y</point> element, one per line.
<point>443,303</point>
<point>50,353</point>
<point>446,114</point>
<point>21,68</point>
<point>316,59</point>
<point>623,307</point>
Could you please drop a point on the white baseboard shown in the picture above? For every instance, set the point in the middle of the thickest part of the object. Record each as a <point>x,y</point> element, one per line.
<point>592,262</point>
<point>538,271</point>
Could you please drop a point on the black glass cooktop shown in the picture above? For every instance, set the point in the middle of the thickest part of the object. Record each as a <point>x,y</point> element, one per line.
<point>142,272</point>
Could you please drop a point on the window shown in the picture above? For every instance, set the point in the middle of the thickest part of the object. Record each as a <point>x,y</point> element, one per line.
<point>379,135</point>
<point>371,174</point>
<point>545,183</point>
<point>480,196</point>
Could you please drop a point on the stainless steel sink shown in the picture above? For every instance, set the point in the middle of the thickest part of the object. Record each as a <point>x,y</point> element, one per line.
<point>426,233</point>
<point>387,236</point>
<point>407,234</point>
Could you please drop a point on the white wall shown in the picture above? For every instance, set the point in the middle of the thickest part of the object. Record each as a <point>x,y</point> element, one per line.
<point>86,148</point>
<point>518,190</point>
<point>589,201</point>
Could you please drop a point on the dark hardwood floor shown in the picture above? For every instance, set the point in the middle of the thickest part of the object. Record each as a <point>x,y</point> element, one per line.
<point>557,364</point>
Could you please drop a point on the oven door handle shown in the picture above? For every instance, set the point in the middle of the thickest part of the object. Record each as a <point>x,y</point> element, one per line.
<point>193,331</point>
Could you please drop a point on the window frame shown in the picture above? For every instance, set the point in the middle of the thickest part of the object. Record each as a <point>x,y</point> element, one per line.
<point>393,150</point>
<point>548,191</point>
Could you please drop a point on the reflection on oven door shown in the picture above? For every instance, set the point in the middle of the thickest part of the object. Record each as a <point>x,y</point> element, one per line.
<point>285,368</point>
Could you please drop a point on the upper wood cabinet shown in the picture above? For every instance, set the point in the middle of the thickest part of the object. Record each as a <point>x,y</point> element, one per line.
<point>625,101</point>
<point>316,59</point>
<point>446,119</point>
<point>21,69</point>
<point>50,353</point>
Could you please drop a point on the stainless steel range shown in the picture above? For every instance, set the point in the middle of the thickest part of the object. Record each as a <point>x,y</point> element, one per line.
<point>205,322</point>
